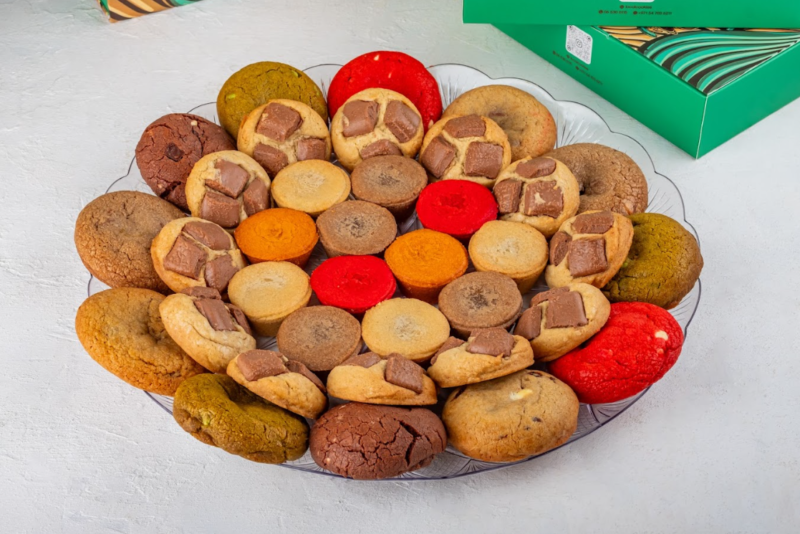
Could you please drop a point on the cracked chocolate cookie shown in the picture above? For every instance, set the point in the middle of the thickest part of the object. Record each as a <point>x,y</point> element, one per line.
<point>369,442</point>
<point>320,337</point>
<point>374,379</point>
<point>356,228</point>
<point>169,148</point>
<point>480,300</point>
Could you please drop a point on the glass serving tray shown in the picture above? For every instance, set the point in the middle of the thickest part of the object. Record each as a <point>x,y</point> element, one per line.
<point>576,123</point>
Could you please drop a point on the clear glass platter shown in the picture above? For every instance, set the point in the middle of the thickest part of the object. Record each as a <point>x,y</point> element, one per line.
<point>576,123</point>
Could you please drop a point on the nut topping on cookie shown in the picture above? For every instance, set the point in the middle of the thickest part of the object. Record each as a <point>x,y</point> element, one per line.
<point>543,198</point>
<point>587,256</point>
<point>220,209</point>
<point>559,246</point>
<point>219,272</point>
<point>466,126</point>
<point>208,234</point>
<point>257,364</point>
<point>310,148</point>
<point>507,194</point>
<point>593,223</point>
<point>401,121</point>
<point>483,159</point>
<point>185,258</point>
<point>272,159</point>
<point>217,314</point>
<point>360,117</point>
<point>492,341</point>
<point>382,147</point>
<point>255,197</point>
<point>278,122</point>
<point>366,360</point>
<point>565,310</point>
<point>403,372</point>
<point>438,156</point>
<point>232,178</point>
<point>536,168</point>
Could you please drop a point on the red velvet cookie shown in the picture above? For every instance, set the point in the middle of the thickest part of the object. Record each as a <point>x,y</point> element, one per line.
<point>456,207</point>
<point>388,70</point>
<point>638,345</point>
<point>353,283</point>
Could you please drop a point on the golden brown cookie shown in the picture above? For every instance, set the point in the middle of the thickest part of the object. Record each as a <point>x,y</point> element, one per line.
<point>374,379</point>
<point>409,327</point>
<point>310,186</point>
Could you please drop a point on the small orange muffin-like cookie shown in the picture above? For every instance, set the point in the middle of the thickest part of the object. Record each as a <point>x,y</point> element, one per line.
<point>424,261</point>
<point>278,234</point>
<point>409,327</point>
<point>310,186</point>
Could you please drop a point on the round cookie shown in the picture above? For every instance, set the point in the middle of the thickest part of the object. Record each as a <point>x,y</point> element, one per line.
<point>511,418</point>
<point>608,179</point>
<point>210,331</point>
<point>530,127</point>
<point>510,248</point>
<point>283,132</point>
<point>169,148</point>
<point>226,188</point>
<point>356,228</point>
<point>561,319</point>
<point>663,264</point>
<point>121,329</point>
<point>368,442</point>
<point>488,353</point>
<point>409,327</point>
<point>277,234</point>
<point>465,147</point>
<point>219,412</point>
<point>456,207</point>
<point>311,186</point>
<point>319,337</point>
<point>191,252</point>
<point>541,192</point>
<point>258,83</point>
<point>393,182</point>
<point>353,283</point>
<point>284,382</point>
<point>394,380</point>
<point>113,234</point>
<point>375,122</point>
<point>589,248</point>
<point>480,300</point>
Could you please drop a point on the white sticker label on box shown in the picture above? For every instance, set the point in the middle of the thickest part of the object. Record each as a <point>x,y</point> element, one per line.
<point>579,44</point>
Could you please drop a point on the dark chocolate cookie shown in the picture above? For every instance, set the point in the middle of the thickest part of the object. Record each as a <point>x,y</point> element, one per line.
<point>169,148</point>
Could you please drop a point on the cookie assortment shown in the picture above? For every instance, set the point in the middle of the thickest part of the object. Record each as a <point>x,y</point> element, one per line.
<point>403,340</point>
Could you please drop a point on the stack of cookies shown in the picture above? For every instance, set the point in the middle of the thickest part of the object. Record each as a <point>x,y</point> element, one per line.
<point>398,343</point>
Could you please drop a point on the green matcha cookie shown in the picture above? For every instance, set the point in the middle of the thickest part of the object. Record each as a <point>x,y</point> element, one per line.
<point>662,266</point>
<point>258,83</point>
<point>218,411</point>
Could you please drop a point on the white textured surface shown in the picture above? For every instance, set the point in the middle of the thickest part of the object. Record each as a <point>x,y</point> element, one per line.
<point>711,448</point>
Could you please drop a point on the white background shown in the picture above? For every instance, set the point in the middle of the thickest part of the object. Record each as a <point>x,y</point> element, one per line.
<point>712,448</point>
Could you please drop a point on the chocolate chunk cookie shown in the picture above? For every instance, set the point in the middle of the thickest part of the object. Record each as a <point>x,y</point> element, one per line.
<point>169,148</point>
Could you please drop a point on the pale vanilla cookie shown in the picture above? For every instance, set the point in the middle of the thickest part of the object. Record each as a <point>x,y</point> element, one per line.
<point>510,248</point>
<point>282,132</point>
<point>589,248</point>
<point>530,127</point>
<point>191,252</point>
<point>561,319</point>
<point>209,330</point>
<point>372,379</point>
<point>487,354</point>
<point>541,192</point>
<point>511,418</point>
<point>226,188</point>
<point>286,383</point>
<point>465,147</point>
<point>409,327</point>
<point>310,186</point>
<point>268,292</point>
<point>375,122</point>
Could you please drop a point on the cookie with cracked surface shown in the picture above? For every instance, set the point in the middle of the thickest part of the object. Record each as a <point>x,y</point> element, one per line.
<point>608,179</point>
<point>122,330</point>
<point>113,234</point>
<point>216,410</point>
<point>406,326</point>
<point>169,148</point>
<point>480,300</point>
<point>373,379</point>
<point>320,337</point>
<point>369,442</point>
<point>356,228</point>
<point>209,330</point>
<point>511,418</point>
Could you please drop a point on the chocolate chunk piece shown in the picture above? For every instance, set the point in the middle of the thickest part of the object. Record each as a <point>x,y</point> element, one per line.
<point>403,372</point>
<point>438,156</point>
<point>241,318</point>
<point>219,272</point>
<point>217,314</point>
<point>401,121</point>
<point>587,256</point>
<point>492,341</point>
<point>466,126</point>
<point>360,117</point>
<point>543,198</point>
<point>297,367</point>
<point>483,159</point>
<point>202,292</point>
<point>382,147</point>
<point>593,223</point>
<point>451,343</point>
<point>209,234</point>
<point>173,152</point>
<point>538,298</point>
<point>565,310</point>
<point>220,209</point>
<point>232,178</point>
<point>278,122</point>
<point>272,159</point>
<point>507,193</point>
<point>366,359</point>
<point>311,148</point>
<point>559,246</point>
<point>256,364</point>
<point>536,168</point>
<point>255,198</point>
<point>529,325</point>
<point>185,258</point>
